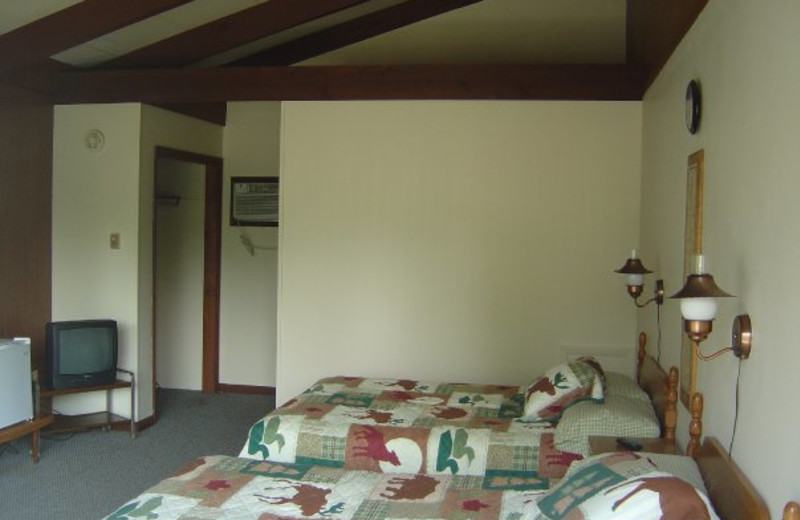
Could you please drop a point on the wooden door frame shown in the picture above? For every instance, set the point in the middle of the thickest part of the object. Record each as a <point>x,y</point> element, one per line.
<point>212,261</point>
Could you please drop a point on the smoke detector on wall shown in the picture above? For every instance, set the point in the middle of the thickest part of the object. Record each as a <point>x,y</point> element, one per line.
<point>94,140</point>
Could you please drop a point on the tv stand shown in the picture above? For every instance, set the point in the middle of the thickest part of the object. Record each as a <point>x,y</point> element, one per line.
<point>105,419</point>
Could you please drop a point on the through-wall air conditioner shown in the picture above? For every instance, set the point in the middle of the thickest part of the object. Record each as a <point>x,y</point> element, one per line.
<point>254,201</point>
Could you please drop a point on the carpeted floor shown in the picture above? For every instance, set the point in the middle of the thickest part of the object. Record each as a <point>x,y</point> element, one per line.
<point>86,476</point>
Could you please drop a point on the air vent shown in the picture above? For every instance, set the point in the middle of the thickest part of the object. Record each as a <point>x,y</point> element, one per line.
<point>254,201</point>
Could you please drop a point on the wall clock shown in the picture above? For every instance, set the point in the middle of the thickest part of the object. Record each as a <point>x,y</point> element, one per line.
<point>693,106</point>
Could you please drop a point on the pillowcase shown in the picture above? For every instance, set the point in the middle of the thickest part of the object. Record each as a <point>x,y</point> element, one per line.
<point>624,386</point>
<point>561,386</point>
<point>624,486</point>
<point>618,416</point>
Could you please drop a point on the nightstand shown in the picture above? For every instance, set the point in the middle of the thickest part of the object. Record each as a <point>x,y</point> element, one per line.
<point>600,444</point>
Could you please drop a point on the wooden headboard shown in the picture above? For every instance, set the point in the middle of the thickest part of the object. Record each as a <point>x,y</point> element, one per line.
<point>661,387</point>
<point>731,493</point>
<point>791,511</point>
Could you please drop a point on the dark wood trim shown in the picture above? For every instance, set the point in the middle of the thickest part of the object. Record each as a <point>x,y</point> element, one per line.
<point>353,31</point>
<point>212,262</point>
<point>143,424</point>
<point>73,26</point>
<point>26,173</point>
<point>213,232</point>
<point>245,389</point>
<point>212,85</point>
<point>226,33</point>
<point>654,30</point>
<point>216,113</point>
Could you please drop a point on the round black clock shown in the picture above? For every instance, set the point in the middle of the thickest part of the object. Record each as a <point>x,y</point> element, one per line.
<point>693,105</point>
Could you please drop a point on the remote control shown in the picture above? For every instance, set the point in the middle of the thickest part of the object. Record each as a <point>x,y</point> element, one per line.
<point>629,444</point>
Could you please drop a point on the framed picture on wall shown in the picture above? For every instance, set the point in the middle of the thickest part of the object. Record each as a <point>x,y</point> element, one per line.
<point>692,247</point>
<point>254,201</point>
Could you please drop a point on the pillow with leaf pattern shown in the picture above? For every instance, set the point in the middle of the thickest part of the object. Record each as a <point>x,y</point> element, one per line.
<point>624,486</point>
<point>561,386</point>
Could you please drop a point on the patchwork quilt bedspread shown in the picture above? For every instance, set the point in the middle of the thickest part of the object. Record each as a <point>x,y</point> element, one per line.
<point>404,426</point>
<point>228,488</point>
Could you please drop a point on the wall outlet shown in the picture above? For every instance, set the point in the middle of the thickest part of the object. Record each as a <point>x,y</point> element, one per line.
<point>114,241</point>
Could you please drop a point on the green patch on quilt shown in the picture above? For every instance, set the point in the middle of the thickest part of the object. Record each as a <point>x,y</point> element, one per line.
<point>134,510</point>
<point>348,399</point>
<point>507,480</point>
<point>580,486</point>
<point>512,408</point>
<point>451,449</point>
<point>276,469</point>
<point>472,400</point>
<point>263,434</point>
<point>311,461</point>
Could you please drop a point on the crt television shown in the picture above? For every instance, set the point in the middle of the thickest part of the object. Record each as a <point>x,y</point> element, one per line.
<point>80,353</point>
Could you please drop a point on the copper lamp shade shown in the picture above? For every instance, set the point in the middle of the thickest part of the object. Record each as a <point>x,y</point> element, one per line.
<point>635,271</point>
<point>633,266</point>
<point>700,286</point>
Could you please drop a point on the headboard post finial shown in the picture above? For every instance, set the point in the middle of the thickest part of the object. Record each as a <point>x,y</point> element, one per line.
<point>696,424</point>
<point>641,355</point>
<point>791,511</point>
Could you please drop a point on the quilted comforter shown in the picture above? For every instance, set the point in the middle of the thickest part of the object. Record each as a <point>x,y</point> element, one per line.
<point>410,427</point>
<point>228,488</point>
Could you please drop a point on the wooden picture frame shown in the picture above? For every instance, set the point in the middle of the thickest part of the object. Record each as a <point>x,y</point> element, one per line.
<point>254,201</point>
<point>692,247</point>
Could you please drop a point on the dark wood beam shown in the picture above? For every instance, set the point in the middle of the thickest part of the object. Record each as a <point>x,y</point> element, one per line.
<point>229,32</point>
<point>212,85</point>
<point>74,25</point>
<point>654,30</point>
<point>354,31</point>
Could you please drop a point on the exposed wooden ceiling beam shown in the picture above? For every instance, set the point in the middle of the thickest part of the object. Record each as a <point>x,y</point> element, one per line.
<point>654,30</point>
<point>74,25</point>
<point>211,85</point>
<point>229,32</point>
<point>354,31</point>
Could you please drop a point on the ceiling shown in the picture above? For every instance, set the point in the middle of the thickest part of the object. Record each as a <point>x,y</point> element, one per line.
<point>484,32</point>
<point>213,51</point>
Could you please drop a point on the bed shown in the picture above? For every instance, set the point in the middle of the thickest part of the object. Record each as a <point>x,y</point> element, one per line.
<point>487,431</point>
<point>221,487</point>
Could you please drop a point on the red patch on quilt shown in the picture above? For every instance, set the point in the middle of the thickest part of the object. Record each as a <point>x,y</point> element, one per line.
<point>552,462</point>
<point>216,485</point>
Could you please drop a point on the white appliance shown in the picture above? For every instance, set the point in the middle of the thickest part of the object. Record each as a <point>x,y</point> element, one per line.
<point>16,395</point>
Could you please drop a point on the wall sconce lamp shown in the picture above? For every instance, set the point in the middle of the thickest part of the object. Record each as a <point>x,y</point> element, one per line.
<point>699,307</point>
<point>635,271</point>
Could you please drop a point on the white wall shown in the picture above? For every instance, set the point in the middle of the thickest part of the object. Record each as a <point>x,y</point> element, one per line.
<point>248,310</point>
<point>111,190</point>
<point>168,129</point>
<point>453,240</point>
<point>180,262</point>
<point>746,56</point>
<point>94,195</point>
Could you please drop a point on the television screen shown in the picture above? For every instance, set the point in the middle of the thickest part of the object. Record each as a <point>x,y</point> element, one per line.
<point>85,350</point>
<point>80,353</point>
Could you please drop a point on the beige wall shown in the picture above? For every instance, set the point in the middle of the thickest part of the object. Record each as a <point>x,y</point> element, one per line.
<point>180,263</point>
<point>453,240</point>
<point>111,190</point>
<point>248,320</point>
<point>745,54</point>
<point>94,194</point>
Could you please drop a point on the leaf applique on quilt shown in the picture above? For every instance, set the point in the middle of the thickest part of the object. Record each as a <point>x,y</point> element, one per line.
<point>452,449</point>
<point>134,510</point>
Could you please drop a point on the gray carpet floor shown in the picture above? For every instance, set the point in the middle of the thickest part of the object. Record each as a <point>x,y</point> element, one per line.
<point>87,476</point>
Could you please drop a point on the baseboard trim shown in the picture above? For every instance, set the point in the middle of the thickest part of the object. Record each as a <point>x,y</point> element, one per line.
<point>140,425</point>
<point>245,389</point>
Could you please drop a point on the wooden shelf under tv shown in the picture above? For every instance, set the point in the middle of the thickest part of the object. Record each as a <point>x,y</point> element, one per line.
<point>105,419</point>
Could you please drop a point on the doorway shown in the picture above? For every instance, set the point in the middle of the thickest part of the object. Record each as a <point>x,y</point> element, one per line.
<point>186,270</point>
